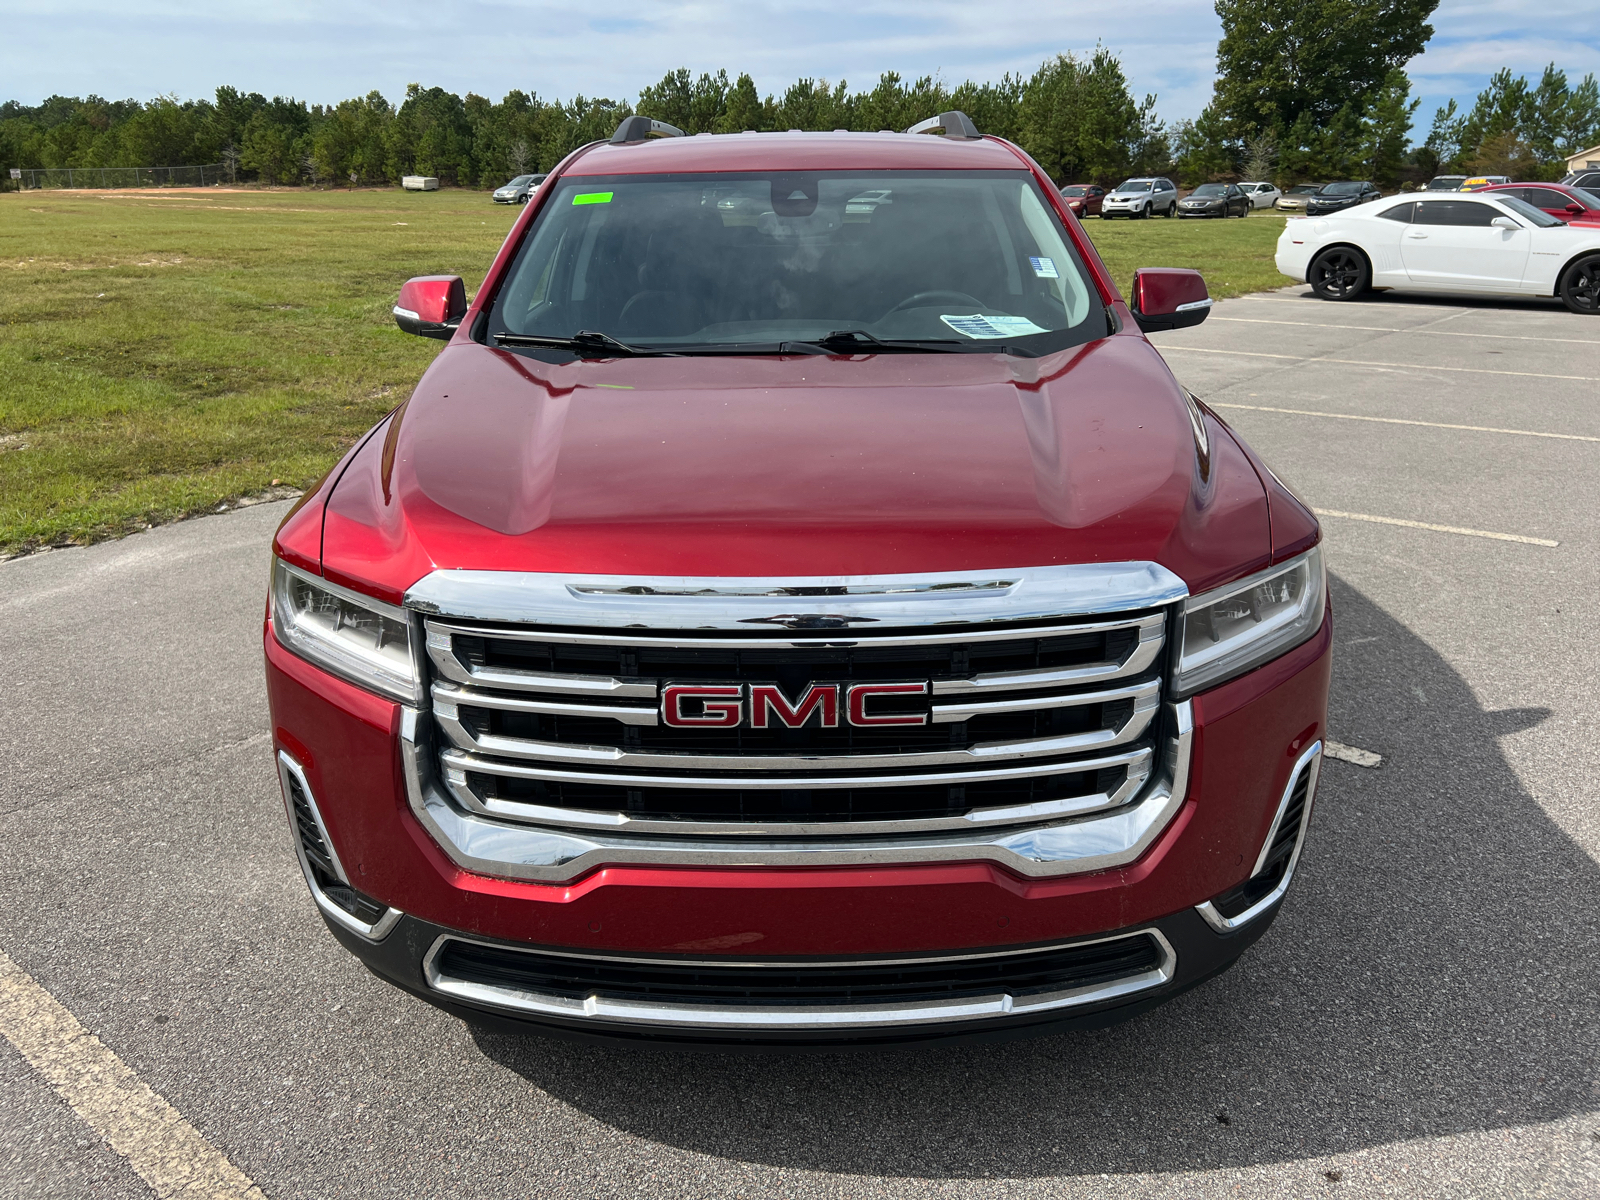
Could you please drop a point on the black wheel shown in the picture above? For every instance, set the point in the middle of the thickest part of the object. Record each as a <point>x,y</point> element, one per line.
<point>1105,216</point>
<point>1580,286</point>
<point>1144,213</point>
<point>1341,274</point>
<point>1172,210</point>
<point>1245,211</point>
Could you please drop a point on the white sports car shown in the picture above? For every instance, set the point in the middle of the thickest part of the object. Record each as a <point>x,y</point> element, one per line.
<point>1489,244</point>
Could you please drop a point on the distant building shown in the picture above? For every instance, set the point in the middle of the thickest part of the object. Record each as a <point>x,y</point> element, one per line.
<point>1584,159</point>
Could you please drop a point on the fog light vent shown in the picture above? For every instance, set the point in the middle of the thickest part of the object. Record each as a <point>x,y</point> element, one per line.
<point>1275,865</point>
<point>324,875</point>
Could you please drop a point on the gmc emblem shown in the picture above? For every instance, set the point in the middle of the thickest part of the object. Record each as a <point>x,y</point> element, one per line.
<point>764,706</point>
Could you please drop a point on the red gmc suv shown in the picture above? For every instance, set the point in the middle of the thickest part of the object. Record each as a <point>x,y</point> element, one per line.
<point>798,606</point>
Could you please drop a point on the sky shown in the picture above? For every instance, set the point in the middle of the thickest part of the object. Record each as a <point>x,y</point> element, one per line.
<point>322,52</point>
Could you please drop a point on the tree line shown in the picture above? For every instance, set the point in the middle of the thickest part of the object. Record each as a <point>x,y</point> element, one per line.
<point>1075,114</point>
<point>1305,89</point>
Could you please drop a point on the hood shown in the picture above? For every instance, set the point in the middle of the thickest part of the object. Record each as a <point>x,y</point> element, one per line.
<point>797,466</point>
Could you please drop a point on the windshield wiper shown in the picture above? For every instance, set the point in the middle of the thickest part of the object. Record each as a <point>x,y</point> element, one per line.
<point>585,341</point>
<point>862,341</point>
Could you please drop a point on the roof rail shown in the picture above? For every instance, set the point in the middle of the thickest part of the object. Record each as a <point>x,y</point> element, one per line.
<point>637,129</point>
<point>951,124</point>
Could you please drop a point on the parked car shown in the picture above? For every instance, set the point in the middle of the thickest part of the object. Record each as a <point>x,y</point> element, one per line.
<point>655,672</point>
<point>1142,197</point>
<point>1444,183</point>
<point>1588,180</point>
<point>1560,201</point>
<point>1486,242</point>
<point>518,190</point>
<point>1215,200</point>
<point>1294,200</point>
<point>1262,195</point>
<point>1083,199</point>
<point>1335,197</point>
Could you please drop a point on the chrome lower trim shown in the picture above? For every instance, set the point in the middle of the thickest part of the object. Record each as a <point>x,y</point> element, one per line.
<point>743,604</point>
<point>456,766</point>
<point>1310,761</point>
<point>777,1019</point>
<point>379,929</point>
<point>1146,698</point>
<point>1078,845</point>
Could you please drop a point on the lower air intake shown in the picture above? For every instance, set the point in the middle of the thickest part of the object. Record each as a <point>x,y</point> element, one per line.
<point>754,995</point>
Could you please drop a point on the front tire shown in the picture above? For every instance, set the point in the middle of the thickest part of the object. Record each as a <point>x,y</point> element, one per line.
<point>1341,273</point>
<point>1580,286</point>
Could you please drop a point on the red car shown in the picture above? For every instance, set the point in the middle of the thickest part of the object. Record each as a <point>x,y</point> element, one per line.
<point>781,617</point>
<point>1083,199</point>
<point>1573,205</point>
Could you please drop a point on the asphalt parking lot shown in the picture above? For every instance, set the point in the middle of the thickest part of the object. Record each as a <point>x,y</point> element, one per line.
<point>1423,1020</point>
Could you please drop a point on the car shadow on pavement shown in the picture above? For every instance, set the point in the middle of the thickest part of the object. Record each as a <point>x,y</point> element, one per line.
<point>1433,972</point>
<point>1394,299</point>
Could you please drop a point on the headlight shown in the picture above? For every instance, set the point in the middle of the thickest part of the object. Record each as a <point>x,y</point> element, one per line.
<point>1236,628</point>
<point>356,637</point>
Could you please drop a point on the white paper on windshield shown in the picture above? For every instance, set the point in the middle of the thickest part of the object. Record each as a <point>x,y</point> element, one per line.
<point>981,325</point>
<point>1044,268</point>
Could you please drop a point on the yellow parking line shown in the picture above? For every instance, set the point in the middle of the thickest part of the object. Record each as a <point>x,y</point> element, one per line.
<point>1361,362</point>
<point>1505,337</point>
<point>167,1152</point>
<point>1307,412</point>
<point>1483,533</point>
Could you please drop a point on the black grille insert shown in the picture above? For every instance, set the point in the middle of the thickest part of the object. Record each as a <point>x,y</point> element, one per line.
<point>800,804</point>
<point>732,983</point>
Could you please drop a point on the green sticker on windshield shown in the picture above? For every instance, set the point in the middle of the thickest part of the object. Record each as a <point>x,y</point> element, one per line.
<point>592,198</point>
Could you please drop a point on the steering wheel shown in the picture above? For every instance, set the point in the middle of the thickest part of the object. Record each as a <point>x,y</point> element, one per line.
<point>938,294</point>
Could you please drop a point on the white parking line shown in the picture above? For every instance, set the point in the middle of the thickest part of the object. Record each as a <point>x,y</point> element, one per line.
<point>167,1152</point>
<point>1307,412</point>
<point>1505,337</point>
<point>1483,533</point>
<point>1361,362</point>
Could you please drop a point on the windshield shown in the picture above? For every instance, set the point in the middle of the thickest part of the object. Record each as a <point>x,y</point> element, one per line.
<point>1074,191</point>
<point>963,260</point>
<point>1305,189</point>
<point>1209,189</point>
<point>520,179</point>
<point>1534,216</point>
<point>1440,183</point>
<point>1134,185</point>
<point>1342,189</point>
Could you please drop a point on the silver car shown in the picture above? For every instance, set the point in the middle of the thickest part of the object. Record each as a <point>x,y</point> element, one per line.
<point>518,190</point>
<point>1262,195</point>
<point>1142,197</point>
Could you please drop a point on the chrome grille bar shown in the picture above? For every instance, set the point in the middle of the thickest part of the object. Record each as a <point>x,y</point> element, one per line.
<point>1145,697</point>
<point>1136,764</point>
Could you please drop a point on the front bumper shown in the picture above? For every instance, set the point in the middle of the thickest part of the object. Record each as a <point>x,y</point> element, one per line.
<point>1247,739</point>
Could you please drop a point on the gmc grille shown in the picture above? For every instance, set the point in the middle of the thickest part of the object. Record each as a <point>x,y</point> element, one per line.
<point>1021,722</point>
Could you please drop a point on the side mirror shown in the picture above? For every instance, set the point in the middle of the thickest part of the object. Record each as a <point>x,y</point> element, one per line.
<point>1576,210</point>
<point>1504,223</point>
<point>1169,298</point>
<point>431,305</point>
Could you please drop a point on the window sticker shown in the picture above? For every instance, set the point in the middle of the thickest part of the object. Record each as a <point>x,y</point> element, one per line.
<point>981,326</point>
<point>592,198</point>
<point>1044,268</point>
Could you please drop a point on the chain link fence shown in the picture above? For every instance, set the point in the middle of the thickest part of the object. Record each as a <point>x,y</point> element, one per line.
<point>120,177</point>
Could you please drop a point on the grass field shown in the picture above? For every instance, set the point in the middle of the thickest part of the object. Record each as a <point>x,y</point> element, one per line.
<point>164,353</point>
